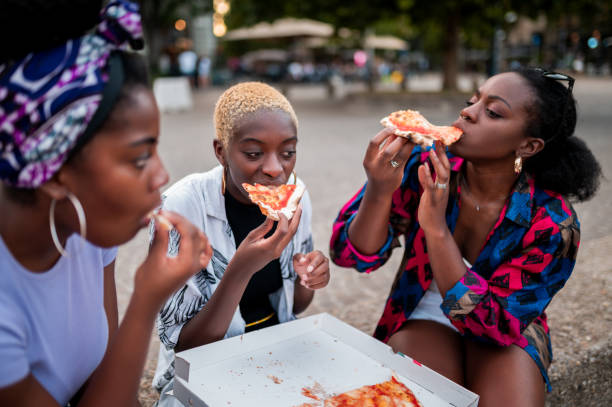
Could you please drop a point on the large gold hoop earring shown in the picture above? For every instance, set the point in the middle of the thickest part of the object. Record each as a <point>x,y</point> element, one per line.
<point>518,165</point>
<point>223,182</point>
<point>80,215</point>
<point>294,177</point>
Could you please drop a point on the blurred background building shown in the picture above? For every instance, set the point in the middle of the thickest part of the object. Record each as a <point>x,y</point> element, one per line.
<point>333,42</point>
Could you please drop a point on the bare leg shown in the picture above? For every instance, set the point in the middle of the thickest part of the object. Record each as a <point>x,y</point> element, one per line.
<point>435,345</point>
<point>502,376</point>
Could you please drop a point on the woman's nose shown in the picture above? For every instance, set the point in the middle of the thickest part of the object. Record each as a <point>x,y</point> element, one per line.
<point>160,175</point>
<point>272,166</point>
<point>468,113</point>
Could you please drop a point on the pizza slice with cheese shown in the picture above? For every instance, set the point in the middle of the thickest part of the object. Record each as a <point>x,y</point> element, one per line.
<point>412,124</point>
<point>391,393</point>
<point>274,200</point>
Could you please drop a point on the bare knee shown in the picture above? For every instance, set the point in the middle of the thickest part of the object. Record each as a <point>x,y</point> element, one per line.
<point>503,376</point>
<point>432,344</point>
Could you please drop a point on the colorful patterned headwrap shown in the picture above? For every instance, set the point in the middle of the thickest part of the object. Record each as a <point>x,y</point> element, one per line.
<point>49,100</point>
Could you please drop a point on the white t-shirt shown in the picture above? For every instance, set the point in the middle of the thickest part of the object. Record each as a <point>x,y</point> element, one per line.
<point>53,324</point>
<point>429,307</point>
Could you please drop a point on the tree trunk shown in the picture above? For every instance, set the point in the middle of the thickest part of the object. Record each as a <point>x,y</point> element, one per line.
<point>149,10</point>
<point>450,48</point>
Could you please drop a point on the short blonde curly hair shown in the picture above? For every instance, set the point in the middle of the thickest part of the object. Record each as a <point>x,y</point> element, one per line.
<point>244,99</point>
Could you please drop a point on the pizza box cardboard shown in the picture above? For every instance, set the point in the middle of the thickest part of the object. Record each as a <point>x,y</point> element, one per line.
<point>320,353</point>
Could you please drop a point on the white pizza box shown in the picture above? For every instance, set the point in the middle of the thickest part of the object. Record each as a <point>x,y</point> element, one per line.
<point>272,366</point>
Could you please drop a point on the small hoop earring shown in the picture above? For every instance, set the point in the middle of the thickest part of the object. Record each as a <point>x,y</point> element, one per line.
<point>294,177</point>
<point>223,182</point>
<point>518,165</point>
<point>80,215</point>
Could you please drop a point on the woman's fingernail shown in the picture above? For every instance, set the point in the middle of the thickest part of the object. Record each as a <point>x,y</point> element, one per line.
<point>309,268</point>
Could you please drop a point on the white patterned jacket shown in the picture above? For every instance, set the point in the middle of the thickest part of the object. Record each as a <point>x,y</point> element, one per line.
<point>198,198</point>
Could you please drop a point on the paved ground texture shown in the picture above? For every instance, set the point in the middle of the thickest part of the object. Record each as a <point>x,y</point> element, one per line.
<point>332,138</point>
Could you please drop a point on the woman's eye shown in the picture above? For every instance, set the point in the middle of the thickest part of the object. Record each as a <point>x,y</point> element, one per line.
<point>288,154</point>
<point>141,161</point>
<point>492,114</point>
<point>252,155</point>
<point>469,103</point>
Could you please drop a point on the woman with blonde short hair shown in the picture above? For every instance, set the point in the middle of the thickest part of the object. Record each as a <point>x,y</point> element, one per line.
<point>262,272</point>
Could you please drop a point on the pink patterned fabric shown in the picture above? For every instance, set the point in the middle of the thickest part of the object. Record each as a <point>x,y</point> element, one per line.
<point>527,258</point>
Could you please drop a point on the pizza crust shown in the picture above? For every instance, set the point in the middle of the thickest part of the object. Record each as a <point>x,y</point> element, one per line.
<point>422,139</point>
<point>160,219</point>
<point>422,132</point>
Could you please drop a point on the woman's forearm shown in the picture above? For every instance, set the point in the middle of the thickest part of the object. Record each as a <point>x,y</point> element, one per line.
<point>302,297</point>
<point>116,380</point>
<point>445,258</point>
<point>211,323</point>
<point>369,230</point>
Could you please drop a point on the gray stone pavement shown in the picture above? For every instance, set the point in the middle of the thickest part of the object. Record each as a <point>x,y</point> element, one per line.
<point>333,135</point>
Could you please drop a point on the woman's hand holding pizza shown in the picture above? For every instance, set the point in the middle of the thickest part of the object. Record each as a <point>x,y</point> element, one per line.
<point>257,250</point>
<point>312,269</point>
<point>160,275</point>
<point>432,208</point>
<point>384,161</point>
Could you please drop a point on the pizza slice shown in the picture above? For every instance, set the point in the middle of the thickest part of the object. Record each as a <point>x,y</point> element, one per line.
<point>274,200</point>
<point>157,217</point>
<point>412,124</point>
<point>386,394</point>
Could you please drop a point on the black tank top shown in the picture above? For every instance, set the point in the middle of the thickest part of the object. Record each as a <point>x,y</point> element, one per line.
<point>254,304</point>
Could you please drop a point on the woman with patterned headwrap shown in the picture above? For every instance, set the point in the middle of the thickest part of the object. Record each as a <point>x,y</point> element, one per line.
<point>80,174</point>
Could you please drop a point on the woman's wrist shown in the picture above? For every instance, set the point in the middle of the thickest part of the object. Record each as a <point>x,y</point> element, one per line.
<point>376,195</point>
<point>144,305</point>
<point>239,271</point>
<point>437,233</point>
<point>302,297</point>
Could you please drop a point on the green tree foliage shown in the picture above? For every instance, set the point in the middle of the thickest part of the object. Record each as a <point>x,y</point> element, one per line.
<point>440,23</point>
<point>355,14</point>
<point>442,26</point>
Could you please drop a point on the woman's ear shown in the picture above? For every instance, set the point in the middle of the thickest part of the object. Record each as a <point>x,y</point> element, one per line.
<point>54,189</point>
<point>219,151</point>
<point>531,146</point>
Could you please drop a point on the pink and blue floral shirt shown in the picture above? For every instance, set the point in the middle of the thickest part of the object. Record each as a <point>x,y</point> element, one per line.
<point>527,258</point>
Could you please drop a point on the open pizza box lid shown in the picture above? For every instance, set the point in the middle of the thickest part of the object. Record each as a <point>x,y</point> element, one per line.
<point>320,353</point>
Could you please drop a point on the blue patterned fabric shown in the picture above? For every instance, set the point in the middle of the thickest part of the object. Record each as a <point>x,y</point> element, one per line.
<point>527,258</point>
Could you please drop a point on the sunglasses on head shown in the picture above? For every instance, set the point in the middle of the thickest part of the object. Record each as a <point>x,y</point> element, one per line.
<point>570,85</point>
<point>558,77</point>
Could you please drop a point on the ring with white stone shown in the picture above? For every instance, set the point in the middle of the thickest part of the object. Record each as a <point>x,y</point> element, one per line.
<point>441,186</point>
<point>394,163</point>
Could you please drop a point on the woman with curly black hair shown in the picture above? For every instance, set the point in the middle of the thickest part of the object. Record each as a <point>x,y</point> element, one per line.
<point>491,235</point>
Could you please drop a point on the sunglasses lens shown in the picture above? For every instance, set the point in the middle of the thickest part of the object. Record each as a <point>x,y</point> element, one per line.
<point>557,76</point>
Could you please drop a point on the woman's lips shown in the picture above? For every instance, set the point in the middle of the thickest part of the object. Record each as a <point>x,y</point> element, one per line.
<point>146,218</point>
<point>144,221</point>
